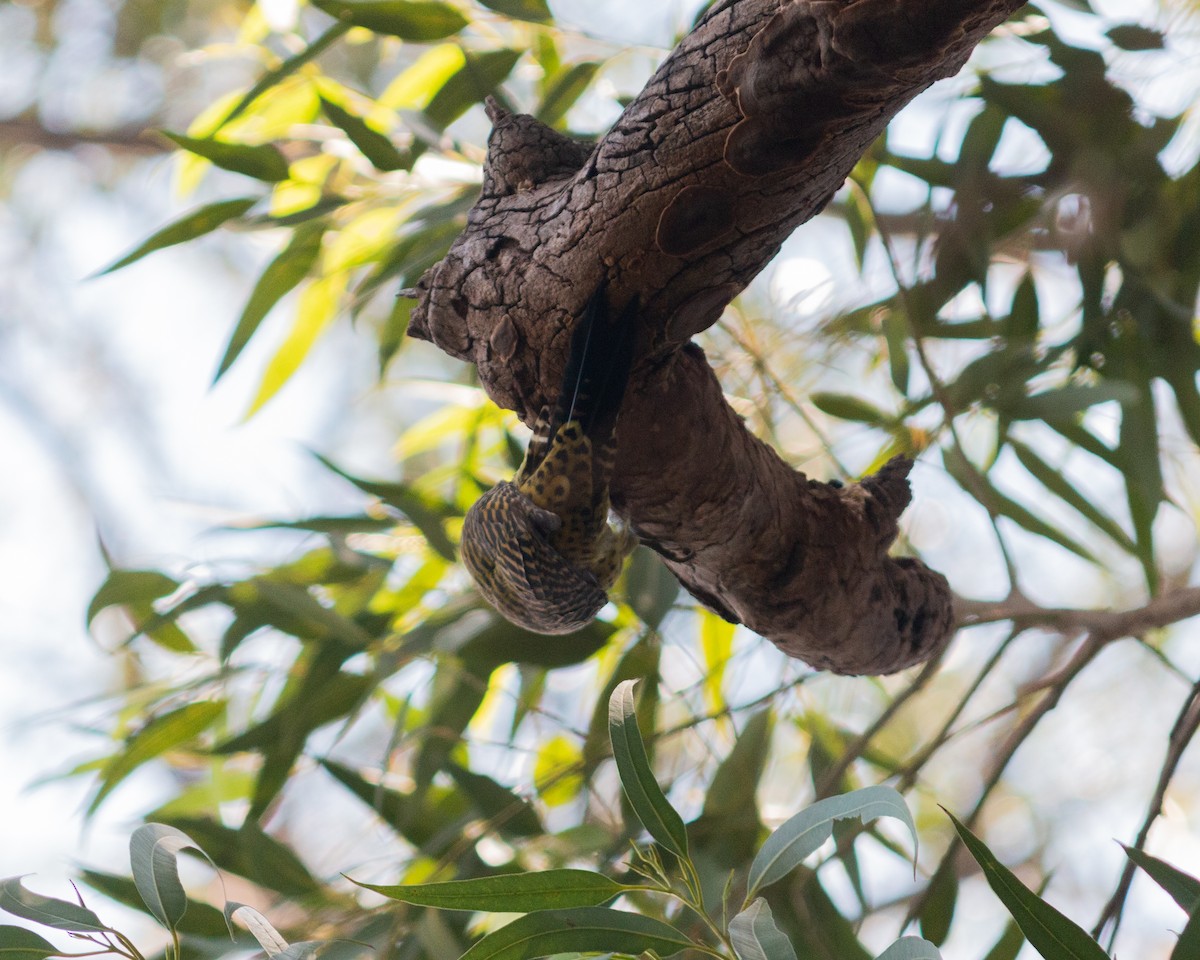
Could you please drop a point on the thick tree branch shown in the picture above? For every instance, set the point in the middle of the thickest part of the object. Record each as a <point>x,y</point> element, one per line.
<point>746,131</point>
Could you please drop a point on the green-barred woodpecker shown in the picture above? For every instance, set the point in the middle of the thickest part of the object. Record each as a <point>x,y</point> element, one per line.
<point>540,548</point>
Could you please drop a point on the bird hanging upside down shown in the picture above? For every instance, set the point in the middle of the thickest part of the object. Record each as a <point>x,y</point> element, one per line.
<point>540,548</point>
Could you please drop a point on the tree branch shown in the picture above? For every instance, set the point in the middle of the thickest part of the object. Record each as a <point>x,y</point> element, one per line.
<point>746,131</point>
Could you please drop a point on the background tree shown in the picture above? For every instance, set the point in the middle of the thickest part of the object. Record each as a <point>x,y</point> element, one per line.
<point>1024,320</point>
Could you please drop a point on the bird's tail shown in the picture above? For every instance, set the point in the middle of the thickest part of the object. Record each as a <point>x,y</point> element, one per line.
<point>597,372</point>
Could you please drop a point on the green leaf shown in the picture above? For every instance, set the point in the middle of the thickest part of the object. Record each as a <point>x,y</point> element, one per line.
<point>134,588</point>
<point>564,89</point>
<point>1187,947</point>
<point>1054,481</point>
<point>152,850</point>
<point>1009,944</point>
<point>845,407</point>
<point>788,846</point>
<point>48,911</point>
<point>504,810</point>
<point>509,893</point>
<point>250,853</point>
<point>261,161</point>
<point>755,936</point>
<point>976,483</point>
<point>281,275</point>
<point>651,589</point>
<point>1069,400</point>
<point>200,920</point>
<point>372,144</point>
<point>911,948</point>
<point>584,929</point>
<point>17,943</point>
<point>425,513</point>
<point>937,911</point>
<point>416,20</point>
<point>535,11</point>
<point>1133,36</point>
<point>156,737</point>
<point>659,818</point>
<point>501,642</point>
<point>1047,930</point>
<point>188,227</point>
<point>1183,888</point>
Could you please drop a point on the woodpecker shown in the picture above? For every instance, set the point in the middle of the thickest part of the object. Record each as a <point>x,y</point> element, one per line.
<point>540,547</point>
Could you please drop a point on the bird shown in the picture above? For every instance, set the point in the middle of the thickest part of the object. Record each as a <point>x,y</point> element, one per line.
<point>540,547</point>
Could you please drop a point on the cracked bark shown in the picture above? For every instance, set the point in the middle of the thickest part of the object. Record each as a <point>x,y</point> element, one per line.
<point>745,131</point>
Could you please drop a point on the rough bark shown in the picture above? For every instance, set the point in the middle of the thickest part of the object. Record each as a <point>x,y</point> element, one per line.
<point>746,131</point>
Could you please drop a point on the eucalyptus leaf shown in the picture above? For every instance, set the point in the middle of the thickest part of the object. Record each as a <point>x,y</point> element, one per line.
<point>788,846</point>
<point>1183,888</point>
<point>48,911</point>
<point>510,892</point>
<point>911,948</point>
<point>1047,930</point>
<point>188,227</point>
<point>585,929</point>
<point>152,860</point>
<point>535,11</point>
<point>755,936</point>
<point>659,818</point>
<point>260,161</point>
<point>264,932</point>
<point>419,21</point>
<point>17,943</point>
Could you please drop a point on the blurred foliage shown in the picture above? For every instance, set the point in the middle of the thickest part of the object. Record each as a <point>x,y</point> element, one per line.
<point>366,667</point>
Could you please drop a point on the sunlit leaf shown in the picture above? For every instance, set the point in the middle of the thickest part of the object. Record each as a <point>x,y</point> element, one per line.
<point>372,144</point>
<point>755,936</point>
<point>17,943</point>
<point>416,20</point>
<point>564,89</point>
<point>260,161</point>
<point>557,771</point>
<point>657,815</point>
<point>317,306</point>
<point>48,911</point>
<point>583,929</point>
<point>161,734</point>
<point>793,840</point>
<point>716,644</point>
<point>509,893</point>
<point>188,227</point>
<point>281,275</point>
<point>1047,930</point>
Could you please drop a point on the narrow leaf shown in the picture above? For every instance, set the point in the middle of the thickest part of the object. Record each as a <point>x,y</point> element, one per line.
<point>417,20</point>
<point>755,936</point>
<point>846,407</point>
<point>659,818</point>
<point>372,144</point>
<point>535,11</point>
<point>280,276</point>
<point>564,89</point>
<point>585,929</point>
<point>509,893</point>
<point>48,911</point>
<point>130,588</point>
<point>267,936</point>
<point>911,948</point>
<point>796,838</point>
<point>17,943</point>
<point>156,737</point>
<point>1047,930</point>
<point>1187,947</point>
<point>188,227</point>
<point>1183,888</point>
<point>260,161</point>
<point>152,850</point>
